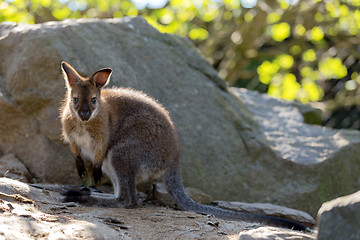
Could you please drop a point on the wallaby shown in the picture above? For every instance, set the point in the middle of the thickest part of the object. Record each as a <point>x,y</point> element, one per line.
<point>131,138</point>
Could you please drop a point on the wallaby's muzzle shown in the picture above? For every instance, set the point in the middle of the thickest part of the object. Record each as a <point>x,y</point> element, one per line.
<point>85,116</point>
<point>84,112</point>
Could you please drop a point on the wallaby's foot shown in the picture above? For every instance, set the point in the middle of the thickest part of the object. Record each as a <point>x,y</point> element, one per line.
<point>127,203</point>
<point>76,194</point>
<point>130,206</point>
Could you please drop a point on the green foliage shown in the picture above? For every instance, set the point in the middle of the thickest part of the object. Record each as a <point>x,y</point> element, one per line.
<point>332,68</point>
<point>280,31</point>
<point>284,85</point>
<point>292,50</point>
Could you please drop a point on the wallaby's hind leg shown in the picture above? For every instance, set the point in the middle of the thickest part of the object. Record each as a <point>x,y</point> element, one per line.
<point>124,181</point>
<point>128,190</point>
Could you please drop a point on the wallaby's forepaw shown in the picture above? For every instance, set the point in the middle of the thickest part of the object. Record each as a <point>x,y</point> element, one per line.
<point>80,166</point>
<point>97,173</point>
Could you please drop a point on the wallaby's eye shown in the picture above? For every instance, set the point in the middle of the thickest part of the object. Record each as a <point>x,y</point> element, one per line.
<point>75,100</point>
<point>93,100</point>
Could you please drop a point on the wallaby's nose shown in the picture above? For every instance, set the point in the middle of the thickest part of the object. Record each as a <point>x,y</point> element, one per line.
<point>85,115</point>
<point>85,112</point>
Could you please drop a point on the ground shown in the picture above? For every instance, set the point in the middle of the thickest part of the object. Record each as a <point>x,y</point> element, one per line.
<point>40,214</point>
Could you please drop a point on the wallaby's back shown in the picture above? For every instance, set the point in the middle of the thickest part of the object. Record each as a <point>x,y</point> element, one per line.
<point>142,132</point>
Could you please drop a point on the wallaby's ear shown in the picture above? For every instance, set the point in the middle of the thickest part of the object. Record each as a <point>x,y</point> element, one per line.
<point>101,78</point>
<point>70,74</point>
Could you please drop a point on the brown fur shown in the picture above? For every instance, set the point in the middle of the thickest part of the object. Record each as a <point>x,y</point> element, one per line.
<point>130,137</point>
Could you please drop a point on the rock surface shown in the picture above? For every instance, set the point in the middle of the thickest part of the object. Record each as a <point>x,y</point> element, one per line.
<point>319,162</point>
<point>266,233</point>
<point>41,215</point>
<point>11,167</point>
<point>340,218</point>
<point>237,145</point>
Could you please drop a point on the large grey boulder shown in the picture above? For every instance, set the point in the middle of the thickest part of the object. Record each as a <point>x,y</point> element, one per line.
<point>340,218</point>
<point>313,163</point>
<point>237,145</point>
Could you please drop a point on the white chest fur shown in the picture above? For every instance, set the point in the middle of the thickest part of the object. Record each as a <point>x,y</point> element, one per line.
<point>86,144</point>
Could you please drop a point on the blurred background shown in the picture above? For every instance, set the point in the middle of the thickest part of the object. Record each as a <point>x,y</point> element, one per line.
<point>302,50</point>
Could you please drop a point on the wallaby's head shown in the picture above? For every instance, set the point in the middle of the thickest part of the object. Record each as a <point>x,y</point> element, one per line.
<point>84,93</point>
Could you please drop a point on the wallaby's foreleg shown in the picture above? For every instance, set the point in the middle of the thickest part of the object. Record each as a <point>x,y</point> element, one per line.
<point>96,172</point>
<point>80,166</point>
<point>101,139</point>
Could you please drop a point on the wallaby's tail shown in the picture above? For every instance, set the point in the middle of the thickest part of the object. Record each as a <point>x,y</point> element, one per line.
<point>173,181</point>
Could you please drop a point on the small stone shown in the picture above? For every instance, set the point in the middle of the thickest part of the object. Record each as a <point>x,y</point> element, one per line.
<point>213,224</point>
